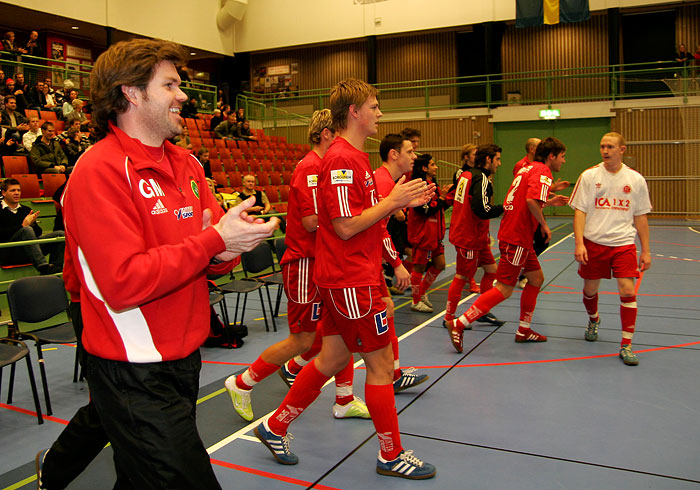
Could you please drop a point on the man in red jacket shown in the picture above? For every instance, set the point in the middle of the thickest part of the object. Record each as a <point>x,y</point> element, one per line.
<point>144,231</point>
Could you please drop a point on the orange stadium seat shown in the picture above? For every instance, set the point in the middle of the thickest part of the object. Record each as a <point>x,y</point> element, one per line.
<point>51,183</point>
<point>29,184</point>
<point>276,178</point>
<point>284,193</point>
<point>263,178</point>
<point>216,165</point>
<point>235,178</point>
<point>13,165</point>
<point>254,165</point>
<point>229,165</point>
<point>220,179</point>
<point>272,194</point>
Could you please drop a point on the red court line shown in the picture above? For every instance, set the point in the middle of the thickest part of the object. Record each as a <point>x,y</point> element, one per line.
<point>227,363</point>
<point>615,293</point>
<point>266,474</point>
<point>566,359</point>
<point>671,243</point>
<point>33,414</point>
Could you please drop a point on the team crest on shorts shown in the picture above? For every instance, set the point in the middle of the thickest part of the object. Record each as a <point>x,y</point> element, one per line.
<point>381,322</point>
<point>315,312</point>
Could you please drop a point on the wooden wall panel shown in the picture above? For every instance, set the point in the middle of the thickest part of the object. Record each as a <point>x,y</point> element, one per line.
<point>583,44</point>
<point>319,66</point>
<point>672,169</point>
<point>688,26</point>
<point>420,56</point>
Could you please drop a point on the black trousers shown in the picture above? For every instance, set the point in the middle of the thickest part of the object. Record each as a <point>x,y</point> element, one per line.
<point>147,412</point>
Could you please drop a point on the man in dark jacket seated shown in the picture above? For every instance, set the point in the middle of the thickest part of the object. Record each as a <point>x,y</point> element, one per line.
<point>18,223</point>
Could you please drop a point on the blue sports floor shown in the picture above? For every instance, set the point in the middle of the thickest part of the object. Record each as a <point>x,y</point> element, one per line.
<point>565,414</point>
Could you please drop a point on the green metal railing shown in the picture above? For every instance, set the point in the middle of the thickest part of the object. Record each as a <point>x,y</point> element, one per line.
<point>37,69</point>
<point>598,83</point>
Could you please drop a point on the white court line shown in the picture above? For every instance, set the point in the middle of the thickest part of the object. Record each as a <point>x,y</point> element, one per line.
<point>694,231</point>
<point>241,433</point>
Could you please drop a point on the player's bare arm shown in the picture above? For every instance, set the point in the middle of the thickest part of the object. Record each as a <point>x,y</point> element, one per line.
<point>580,253</point>
<point>642,226</point>
<point>535,208</point>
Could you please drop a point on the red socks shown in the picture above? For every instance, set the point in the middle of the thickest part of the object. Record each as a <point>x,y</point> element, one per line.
<point>416,278</point>
<point>382,408</point>
<point>343,384</point>
<point>395,349</point>
<point>591,305</point>
<point>304,391</point>
<point>258,371</point>
<point>628,317</point>
<point>428,279</point>
<point>483,304</point>
<point>454,294</point>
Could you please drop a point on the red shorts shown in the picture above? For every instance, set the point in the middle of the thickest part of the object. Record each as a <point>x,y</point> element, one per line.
<point>383,289</point>
<point>602,259</point>
<point>303,300</point>
<point>469,260</point>
<point>358,315</point>
<point>513,259</point>
<point>423,256</point>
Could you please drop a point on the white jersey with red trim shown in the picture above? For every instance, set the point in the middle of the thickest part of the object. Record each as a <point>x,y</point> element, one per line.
<point>611,201</point>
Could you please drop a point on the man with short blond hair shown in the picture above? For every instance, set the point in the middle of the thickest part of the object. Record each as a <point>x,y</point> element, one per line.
<point>34,132</point>
<point>611,203</point>
<point>349,220</point>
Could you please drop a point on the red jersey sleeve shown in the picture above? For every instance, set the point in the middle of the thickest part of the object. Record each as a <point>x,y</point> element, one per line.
<point>538,183</point>
<point>306,186</point>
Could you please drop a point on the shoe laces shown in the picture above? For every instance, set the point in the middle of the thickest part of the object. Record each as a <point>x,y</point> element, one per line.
<point>408,371</point>
<point>409,458</point>
<point>285,442</point>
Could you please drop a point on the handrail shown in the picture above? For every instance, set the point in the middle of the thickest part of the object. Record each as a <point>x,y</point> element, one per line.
<point>549,87</point>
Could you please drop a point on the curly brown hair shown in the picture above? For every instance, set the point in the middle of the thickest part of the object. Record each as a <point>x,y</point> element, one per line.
<point>126,63</point>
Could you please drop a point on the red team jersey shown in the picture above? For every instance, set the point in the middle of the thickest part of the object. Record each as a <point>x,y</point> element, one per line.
<point>302,203</point>
<point>346,188</point>
<point>385,184</point>
<point>518,224</point>
<point>467,230</point>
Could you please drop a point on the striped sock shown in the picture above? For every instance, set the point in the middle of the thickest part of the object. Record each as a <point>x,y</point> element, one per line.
<point>258,371</point>
<point>382,408</point>
<point>416,278</point>
<point>628,317</point>
<point>453,296</point>
<point>591,305</point>
<point>343,384</point>
<point>428,279</point>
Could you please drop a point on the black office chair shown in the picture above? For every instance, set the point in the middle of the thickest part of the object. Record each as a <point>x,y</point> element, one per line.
<point>242,287</point>
<point>259,265</point>
<point>38,299</point>
<point>12,351</point>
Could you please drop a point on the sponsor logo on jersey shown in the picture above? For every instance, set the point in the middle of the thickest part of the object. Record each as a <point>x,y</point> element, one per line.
<point>381,322</point>
<point>545,180</point>
<point>612,203</point>
<point>367,175</point>
<point>150,188</point>
<point>159,208</point>
<point>626,189</point>
<point>184,213</point>
<point>343,176</point>
<point>312,180</point>
<point>195,188</point>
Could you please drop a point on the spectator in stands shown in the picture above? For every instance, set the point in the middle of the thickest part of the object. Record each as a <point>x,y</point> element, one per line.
<point>63,137</point>
<point>683,57</point>
<point>47,155</point>
<point>2,78</point>
<point>21,84</point>
<point>68,103</point>
<point>61,94</point>
<point>48,83</point>
<point>220,99</point>
<point>33,47</point>
<point>36,97</point>
<point>215,120</point>
<point>203,156</point>
<point>183,140</point>
<point>34,132</point>
<point>227,130</point>
<point>8,143</point>
<point>240,115</point>
<point>189,110</point>
<point>13,120</point>
<point>75,144</point>
<point>51,104</point>
<point>77,114</point>
<point>243,131</point>
<point>12,89</point>
<point>262,203</point>
<point>13,52</point>
<point>18,223</point>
